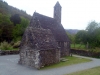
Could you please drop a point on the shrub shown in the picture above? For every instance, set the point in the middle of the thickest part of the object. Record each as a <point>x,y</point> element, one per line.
<point>17,44</point>
<point>5,46</point>
<point>12,43</point>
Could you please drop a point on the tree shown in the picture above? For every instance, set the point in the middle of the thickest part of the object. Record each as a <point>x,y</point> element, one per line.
<point>19,29</point>
<point>81,37</point>
<point>93,32</point>
<point>92,26</point>
<point>15,19</point>
<point>6,27</point>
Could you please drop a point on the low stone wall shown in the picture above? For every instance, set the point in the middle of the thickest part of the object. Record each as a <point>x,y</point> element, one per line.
<point>85,53</point>
<point>9,52</point>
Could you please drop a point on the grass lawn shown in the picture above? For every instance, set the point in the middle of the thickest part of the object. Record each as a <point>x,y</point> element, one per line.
<point>92,71</point>
<point>78,46</point>
<point>82,47</point>
<point>71,60</point>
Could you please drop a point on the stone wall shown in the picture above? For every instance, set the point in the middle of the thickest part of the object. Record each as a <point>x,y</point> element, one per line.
<point>9,52</point>
<point>67,48</point>
<point>64,48</point>
<point>85,53</point>
<point>27,57</point>
<point>39,58</point>
<point>48,57</point>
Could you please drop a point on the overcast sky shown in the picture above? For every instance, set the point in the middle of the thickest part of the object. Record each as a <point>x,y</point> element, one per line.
<point>76,14</point>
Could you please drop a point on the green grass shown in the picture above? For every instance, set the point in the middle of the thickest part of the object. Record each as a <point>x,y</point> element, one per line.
<point>92,71</point>
<point>71,60</point>
<point>78,46</point>
<point>82,47</point>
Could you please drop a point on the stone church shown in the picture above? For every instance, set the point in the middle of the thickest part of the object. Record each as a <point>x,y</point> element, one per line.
<point>44,40</point>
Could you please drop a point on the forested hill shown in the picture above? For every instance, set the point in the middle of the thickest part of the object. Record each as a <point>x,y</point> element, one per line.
<point>13,22</point>
<point>72,31</point>
<point>6,9</point>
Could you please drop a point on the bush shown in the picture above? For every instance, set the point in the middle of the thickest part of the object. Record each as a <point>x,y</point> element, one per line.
<point>16,45</point>
<point>5,46</point>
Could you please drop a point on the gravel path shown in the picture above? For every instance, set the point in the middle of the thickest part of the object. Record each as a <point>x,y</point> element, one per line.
<point>9,66</point>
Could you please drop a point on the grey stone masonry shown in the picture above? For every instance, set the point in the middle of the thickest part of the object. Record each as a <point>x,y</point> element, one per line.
<point>38,48</point>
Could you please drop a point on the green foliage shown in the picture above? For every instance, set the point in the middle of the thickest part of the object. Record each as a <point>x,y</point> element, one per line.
<point>6,27</point>
<point>92,26</point>
<point>19,29</point>
<point>91,35</point>
<point>17,44</point>
<point>10,10</point>
<point>93,31</point>
<point>12,31</point>
<point>15,19</point>
<point>5,46</point>
<point>4,19</point>
<point>81,37</point>
<point>71,37</point>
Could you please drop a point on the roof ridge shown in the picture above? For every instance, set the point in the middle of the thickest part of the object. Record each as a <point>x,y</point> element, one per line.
<point>42,15</point>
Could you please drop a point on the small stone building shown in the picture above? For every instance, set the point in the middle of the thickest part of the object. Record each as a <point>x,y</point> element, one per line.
<point>54,24</point>
<point>38,48</point>
<point>44,41</point>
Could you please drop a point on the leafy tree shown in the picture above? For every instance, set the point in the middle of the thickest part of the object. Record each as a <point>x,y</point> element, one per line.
<point>91,35</point>
<point>19,29</point>
<point>6,28</point>
<point>15,19</point>
<point>71,37</point>
<point>81,37</point>
<point>92,26</point>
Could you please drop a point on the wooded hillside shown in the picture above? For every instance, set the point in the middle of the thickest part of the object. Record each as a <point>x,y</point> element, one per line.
<point>13,22</point>
<point>10,10</point>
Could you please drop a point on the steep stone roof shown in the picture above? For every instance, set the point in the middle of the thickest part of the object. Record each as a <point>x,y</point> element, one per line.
<point>50,23</point>
<point>38,39</point>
